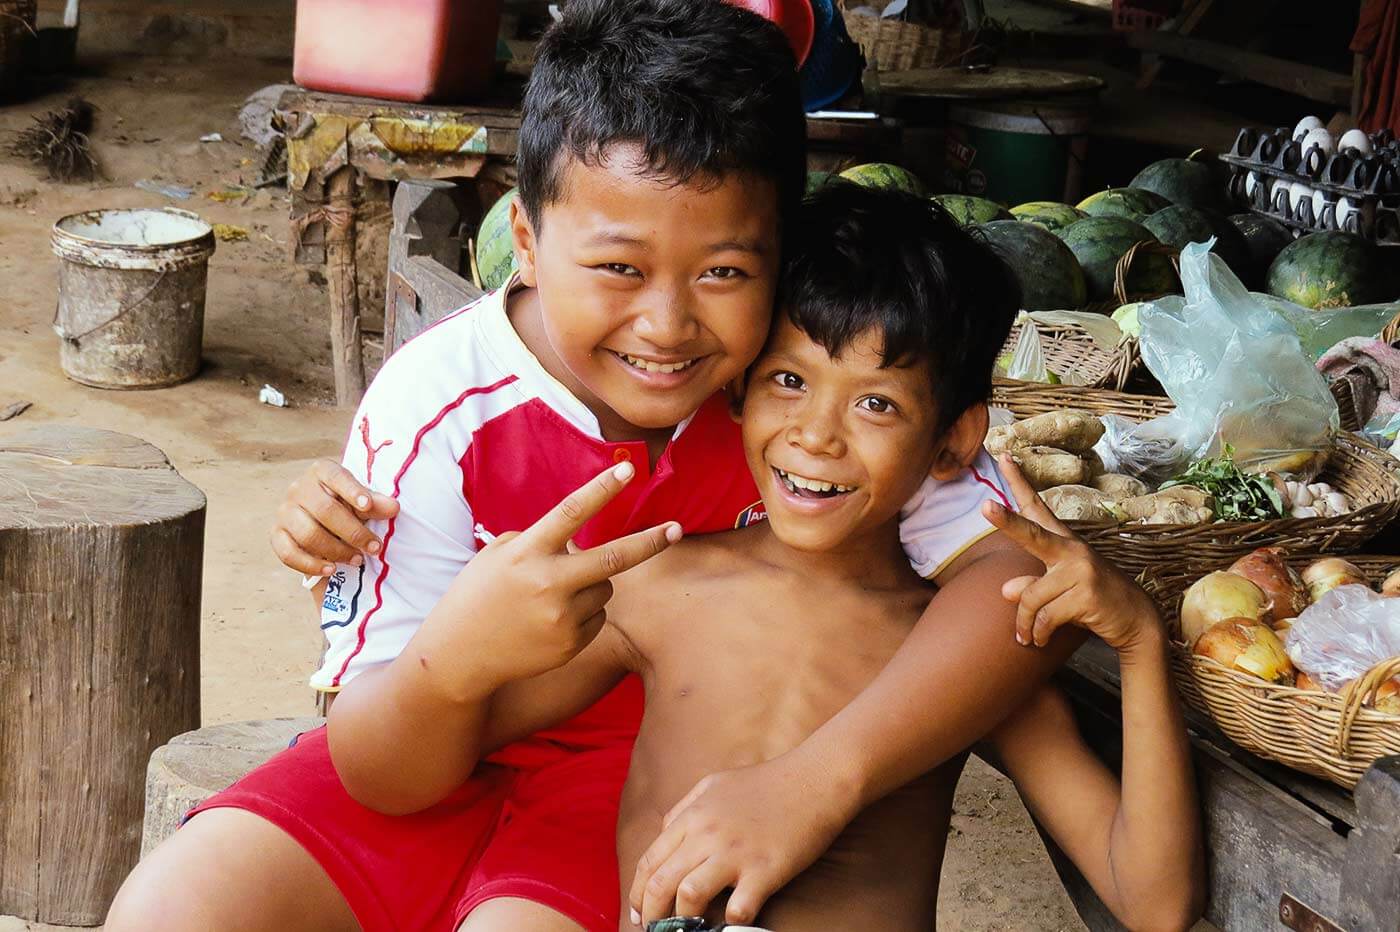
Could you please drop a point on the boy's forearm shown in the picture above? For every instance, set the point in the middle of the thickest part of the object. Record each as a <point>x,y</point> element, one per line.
<point>399,743</point>
<point>1158,788</point>
<point>957,675</point>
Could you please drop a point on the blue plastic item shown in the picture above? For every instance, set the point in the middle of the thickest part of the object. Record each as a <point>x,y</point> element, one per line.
<point>835,62</point>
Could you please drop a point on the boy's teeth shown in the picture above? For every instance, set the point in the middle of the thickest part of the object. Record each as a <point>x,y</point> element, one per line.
<point>812,485</point>
<point>662,367</point>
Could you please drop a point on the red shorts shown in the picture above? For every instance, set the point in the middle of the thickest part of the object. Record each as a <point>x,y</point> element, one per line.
<point>541,827</point>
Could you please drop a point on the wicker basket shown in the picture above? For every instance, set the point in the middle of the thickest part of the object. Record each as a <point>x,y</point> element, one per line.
<point>1367,475</point>
<point>1070,351</point>
<point>1333,736</point>
<point>896,45</point>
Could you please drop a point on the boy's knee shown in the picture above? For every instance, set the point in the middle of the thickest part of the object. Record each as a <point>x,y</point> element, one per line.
<point>153,899</point>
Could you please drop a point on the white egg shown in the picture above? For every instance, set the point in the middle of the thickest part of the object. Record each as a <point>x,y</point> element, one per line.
<point>1318,200</point>
<point>1346,207</point>
<point>1319,137</point>
<point>1305,124</point>
<point>1297,193</point>
<point>1356,139</point>
<point>1251,181</point>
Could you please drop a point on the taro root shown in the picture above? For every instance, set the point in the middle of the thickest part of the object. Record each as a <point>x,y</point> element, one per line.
<point>1077,503</point>
<point>1322,576</point>
<point>1120,486</point>
<point>1281,584</point>
<point>1216,597</point>
<point>1046,467</point>
<point>1247,646</point>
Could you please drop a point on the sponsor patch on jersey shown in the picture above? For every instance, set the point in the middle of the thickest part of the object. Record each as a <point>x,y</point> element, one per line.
<point>752,515</point>
<point>341,602</point>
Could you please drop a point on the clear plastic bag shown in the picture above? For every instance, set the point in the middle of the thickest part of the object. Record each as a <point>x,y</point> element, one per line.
<point>1028,362</point>
<point>1343,634</point>
<point>1145,451</point>
<point>1238,374</point>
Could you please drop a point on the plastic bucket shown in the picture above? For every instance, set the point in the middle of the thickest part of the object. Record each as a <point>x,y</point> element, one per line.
<point>131,287</point>
<point>1018,152</point>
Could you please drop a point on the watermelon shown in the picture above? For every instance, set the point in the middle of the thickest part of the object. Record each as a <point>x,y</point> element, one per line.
<point>1099,242</point>
<point>1185,182</point>
<point>1264,238</point>
<point>884,175</point>
<point>816,179</point>
<point>1048,214</point>
<point>1331,269</point>
<point>1050,276</point>
<point>1179,225</point>
<point>968,210</point>
<point>1129,203</point>
<point>495,247</point>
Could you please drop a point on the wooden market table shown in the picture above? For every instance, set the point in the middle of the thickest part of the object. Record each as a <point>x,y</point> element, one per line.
<point>336,142</point>
<point>1284,850</point>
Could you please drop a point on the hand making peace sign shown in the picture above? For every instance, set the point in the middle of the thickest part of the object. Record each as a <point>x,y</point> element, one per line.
<point>529,601</point>
<point>1079,586</point>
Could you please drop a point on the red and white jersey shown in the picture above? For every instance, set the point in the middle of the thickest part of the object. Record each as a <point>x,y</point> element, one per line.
<point>472,436</point>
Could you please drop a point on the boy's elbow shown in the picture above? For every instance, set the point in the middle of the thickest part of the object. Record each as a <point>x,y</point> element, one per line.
<point>1174,912</point>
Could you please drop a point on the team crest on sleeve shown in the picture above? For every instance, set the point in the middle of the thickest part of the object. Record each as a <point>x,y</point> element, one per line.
<point>341,602</point>
<point>752,515</point>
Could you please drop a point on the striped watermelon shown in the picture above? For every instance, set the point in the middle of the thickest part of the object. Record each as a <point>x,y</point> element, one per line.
<point>1099,242</point>
<point>1332,269</point>
<point>815,180</point>
<point>1179,225</point>
<point>968,210</point>
<point>1129,203</point>
<point>1188,182</point>
<point>1050,215</point>
<point>884,175</point>
<point>1050,276</point>
<point>1264,238</point>
<point>495,248</point>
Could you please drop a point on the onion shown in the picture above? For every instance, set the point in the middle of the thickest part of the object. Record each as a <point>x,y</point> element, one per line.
<point>1246,646</point>
<point>1322,576</point>
<point>1282,586</point>
<point>1391,587</point>
<point>1216,597</point>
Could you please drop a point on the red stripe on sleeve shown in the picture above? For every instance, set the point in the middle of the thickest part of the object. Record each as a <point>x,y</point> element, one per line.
<point>1006,502</point>
<point>389,534</point>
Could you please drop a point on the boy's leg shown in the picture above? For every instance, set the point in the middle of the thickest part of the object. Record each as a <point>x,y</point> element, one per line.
<point>508,914</point>
<point>233,871</point>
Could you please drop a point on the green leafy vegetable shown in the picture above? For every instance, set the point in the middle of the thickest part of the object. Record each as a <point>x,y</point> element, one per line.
<point>1239,496</point>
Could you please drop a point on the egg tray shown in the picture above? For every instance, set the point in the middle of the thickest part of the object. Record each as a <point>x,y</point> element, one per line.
<point>1371,182</point>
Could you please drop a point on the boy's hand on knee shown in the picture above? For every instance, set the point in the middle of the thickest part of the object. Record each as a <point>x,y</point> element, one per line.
<point>1079,587</point>
<point>530,601</point>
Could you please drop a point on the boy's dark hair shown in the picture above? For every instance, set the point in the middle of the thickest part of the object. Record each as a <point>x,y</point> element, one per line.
<point>861,258</point>
<point>706,89</point>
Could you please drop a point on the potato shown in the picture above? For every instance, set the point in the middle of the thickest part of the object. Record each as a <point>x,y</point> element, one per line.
<point>1046,467</point>
<point>1001,440</point>
<point>1177,505</point>
<point>1076,503</point>
<point>1118,486</point>
<point>1070,430</point>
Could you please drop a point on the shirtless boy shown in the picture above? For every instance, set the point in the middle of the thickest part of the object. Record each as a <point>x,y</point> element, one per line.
<point>748,641</point>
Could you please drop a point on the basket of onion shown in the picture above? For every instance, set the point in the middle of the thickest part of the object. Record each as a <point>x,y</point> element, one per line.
<point>1295,658</point>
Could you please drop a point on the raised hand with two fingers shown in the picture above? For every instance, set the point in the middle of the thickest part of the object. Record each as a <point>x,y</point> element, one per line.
<point>1079,587</point>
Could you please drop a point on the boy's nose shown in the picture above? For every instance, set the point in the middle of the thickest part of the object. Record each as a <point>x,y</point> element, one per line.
<point>667,321</point>
<point>818,433</point>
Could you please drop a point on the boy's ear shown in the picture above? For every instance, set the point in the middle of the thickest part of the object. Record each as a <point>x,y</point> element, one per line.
<point>522,234</point>
<point>961,444</point>
<point>735,390</point>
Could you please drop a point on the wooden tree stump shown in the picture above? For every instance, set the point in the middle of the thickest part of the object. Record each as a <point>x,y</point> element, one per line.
<point>198,764</point>
<point>101,552</point>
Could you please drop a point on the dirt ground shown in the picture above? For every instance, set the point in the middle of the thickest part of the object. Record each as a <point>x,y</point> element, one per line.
<point>265,323</point>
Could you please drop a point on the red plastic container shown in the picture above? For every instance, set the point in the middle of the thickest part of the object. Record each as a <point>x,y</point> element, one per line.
<point>414,50</point>
<point>794,17</point>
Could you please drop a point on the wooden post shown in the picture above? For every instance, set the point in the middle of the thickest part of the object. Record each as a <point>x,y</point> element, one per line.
<point>426,222</point>
<point>347,352</point>
<point>101,552</point>
<point>1370,896</point>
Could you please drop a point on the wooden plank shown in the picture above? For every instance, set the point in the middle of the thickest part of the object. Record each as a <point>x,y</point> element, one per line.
<point>1370,896</point>
<point>1304,80</point>
<point>101,550</point>
<point>426,292</point>
<point>502,116</point>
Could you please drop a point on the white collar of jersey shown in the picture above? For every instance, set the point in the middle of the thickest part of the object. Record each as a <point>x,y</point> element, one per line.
<point>515,358</point>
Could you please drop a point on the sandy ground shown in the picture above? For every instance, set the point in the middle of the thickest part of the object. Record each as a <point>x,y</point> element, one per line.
<point>265,323</point>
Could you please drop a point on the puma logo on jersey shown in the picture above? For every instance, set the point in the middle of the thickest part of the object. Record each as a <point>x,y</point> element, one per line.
<point>371,450</point>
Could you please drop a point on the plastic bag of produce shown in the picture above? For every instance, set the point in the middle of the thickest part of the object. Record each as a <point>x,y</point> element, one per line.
<point>1238,375</point>
<point>1320,330</point>
<point>1028,362</point>
<point>1343,634</point>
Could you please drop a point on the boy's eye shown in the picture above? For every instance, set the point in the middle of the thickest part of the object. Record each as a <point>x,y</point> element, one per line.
<point>790,380</point>
<point>619,268</point>
<point>724,271</point>
<point>876,405</point>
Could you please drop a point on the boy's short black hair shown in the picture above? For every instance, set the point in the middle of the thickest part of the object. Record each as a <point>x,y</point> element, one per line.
<point>861,258</point>
<point>707,89</point>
